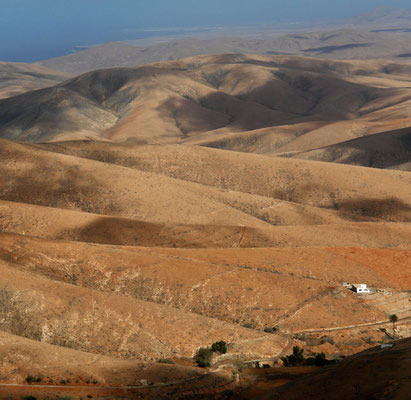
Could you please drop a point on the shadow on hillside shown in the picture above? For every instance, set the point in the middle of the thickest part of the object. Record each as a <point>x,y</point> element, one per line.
<point>293,95</point>
<point>125,232</point>
<point>48,182</point>
<point>117,231</point>
<point>379,150</point>
<point>390,209</point>
<point>332,49</point>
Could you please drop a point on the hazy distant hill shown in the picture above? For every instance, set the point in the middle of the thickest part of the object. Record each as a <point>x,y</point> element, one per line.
<point>384,15</point>
<point>16,78</point>
<point>338,44</point>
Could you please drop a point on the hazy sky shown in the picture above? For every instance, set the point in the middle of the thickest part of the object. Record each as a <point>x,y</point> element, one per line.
<point>37,29</point>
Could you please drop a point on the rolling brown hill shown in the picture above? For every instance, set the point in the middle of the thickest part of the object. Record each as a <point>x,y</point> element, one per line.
<point>355,190</point>
<point>261,104</point>
<point>380,150</point>
<point>208,282</point>
<point>111,324</point>
<point>17,78</point>
<point>165,233</point>
<point>58,363</point>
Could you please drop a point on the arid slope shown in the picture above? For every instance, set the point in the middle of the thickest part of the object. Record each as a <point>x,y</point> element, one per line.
<point>17,78</point>
<point>211,96</point>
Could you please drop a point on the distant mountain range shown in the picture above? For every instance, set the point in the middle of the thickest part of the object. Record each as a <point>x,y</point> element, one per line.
<point>336,44</point>
<point>383,15</point>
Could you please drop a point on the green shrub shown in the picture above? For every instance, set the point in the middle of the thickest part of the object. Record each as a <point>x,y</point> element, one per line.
<point>29,398</point>
<point>310,361</point>
<point>294,359</point>
<point>30,379</point>
<point>220,347</point>
<point>248,325</point>
<point>297,359</point>
<point>165,361</point>
<point>203,357</point>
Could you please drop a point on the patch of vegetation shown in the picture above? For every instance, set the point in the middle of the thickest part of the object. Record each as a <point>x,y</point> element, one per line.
<point>219,347</point>
<point>29,398</point>
<point>165,361</point>
<point>319,360</point>
<point>32,379</point>
<point>204,354</point>
<point>297,359</point>
<point>267,329</point>
<point>248,325</point>
<point>301,337</point>
<point>203,357</point>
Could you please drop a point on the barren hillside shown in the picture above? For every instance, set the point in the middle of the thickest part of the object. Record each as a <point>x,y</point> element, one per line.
<point>17,78</point>
<point>216,198</point>
<point>212,97</point>
<point>372,373</point>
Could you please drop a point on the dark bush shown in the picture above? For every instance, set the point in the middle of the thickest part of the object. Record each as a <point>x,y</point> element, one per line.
<point>220,347</point>
<point>165,361</point>
<point>310,361</point>
<point>297,359</point>
<point>294,359</point>
<point>270,330</point>
<point>203,357</point>
<point>30,379</point>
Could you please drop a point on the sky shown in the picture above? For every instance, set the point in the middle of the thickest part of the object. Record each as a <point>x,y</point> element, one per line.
<point>31,30</point>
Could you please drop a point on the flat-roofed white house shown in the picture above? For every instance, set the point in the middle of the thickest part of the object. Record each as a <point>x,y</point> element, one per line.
<point>360,288</point>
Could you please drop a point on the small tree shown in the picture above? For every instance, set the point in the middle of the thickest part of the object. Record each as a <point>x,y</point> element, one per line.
<point>220,347</point>
<point>203,357</point>
<point>297,358</point>
<point>393,319</point>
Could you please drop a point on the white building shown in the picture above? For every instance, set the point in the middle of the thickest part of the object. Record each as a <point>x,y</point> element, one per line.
<point>360,288</point>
